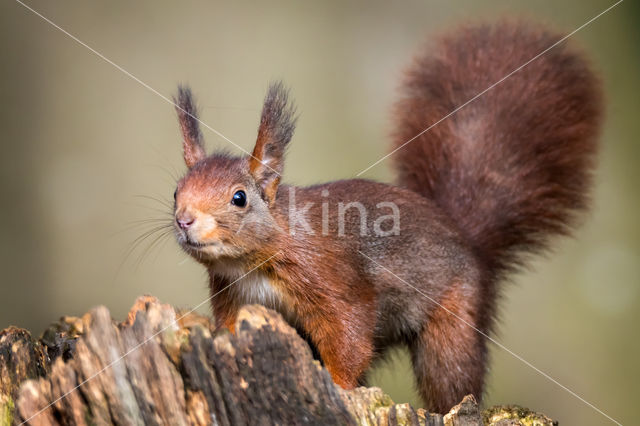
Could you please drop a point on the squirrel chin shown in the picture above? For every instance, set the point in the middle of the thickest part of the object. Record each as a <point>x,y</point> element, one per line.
<point>209,252</point>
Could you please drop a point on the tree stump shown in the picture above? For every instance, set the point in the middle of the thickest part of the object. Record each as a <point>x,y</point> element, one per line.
<point>160,366</point>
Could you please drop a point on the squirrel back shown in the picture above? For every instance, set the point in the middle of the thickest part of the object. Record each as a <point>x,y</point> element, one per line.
<point>513,167</point>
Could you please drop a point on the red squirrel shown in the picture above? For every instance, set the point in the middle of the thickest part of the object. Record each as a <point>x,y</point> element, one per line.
<point>475,196</point>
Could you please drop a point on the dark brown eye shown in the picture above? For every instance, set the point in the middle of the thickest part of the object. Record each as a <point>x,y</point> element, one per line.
<point>175,194</point>
<point>239,199</point>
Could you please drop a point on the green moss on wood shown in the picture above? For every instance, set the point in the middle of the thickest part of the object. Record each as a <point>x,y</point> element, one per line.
<point>6,411</point>
<point>524,416</point>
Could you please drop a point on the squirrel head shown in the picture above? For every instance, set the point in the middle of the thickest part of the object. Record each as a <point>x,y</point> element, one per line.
<point>224,204</point>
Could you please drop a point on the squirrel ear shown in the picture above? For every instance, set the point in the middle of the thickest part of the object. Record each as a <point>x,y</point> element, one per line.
<point>277,123</point>
<point>192,142</point>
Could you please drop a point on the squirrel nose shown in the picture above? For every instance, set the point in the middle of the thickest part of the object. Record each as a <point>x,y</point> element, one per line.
<point>185,220</point>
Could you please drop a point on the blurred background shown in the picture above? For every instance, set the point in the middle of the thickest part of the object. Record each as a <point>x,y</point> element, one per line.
<point>84,145</point>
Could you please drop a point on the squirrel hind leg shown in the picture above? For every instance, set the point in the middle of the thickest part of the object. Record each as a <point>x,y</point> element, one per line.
<point>449,357</point>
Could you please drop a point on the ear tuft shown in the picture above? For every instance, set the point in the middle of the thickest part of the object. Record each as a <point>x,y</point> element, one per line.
<point>278,120</point>
<point>192,141</point>
<point>277,124</point>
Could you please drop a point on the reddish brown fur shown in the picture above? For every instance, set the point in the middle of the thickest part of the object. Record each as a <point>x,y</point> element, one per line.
<point>449,357</point>
<point>482,188</point>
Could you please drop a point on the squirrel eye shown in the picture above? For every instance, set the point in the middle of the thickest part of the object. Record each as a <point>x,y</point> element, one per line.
<point>175,194</point>
<point>239,199</point>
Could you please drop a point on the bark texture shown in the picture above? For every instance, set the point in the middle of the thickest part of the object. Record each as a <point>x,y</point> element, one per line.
<point>160,366</point>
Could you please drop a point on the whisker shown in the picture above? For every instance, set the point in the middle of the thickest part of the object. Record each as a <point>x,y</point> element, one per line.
<point>162,201</point>
<point>145,254</point>
<point>139,240</point>
<point>168,222</point>
<point>150,221</point>
<point>161,246</point>
<point>172,175</point>
<point>155,209</point>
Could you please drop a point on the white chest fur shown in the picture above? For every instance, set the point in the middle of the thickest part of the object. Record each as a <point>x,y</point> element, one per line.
<point>249,287</point>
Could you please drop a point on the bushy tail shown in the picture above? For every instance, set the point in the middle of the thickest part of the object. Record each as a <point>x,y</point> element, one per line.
<point>513,167</point>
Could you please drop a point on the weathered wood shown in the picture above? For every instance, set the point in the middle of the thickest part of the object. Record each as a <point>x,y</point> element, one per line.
<point>21,358</point>
<point>162,367</point>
